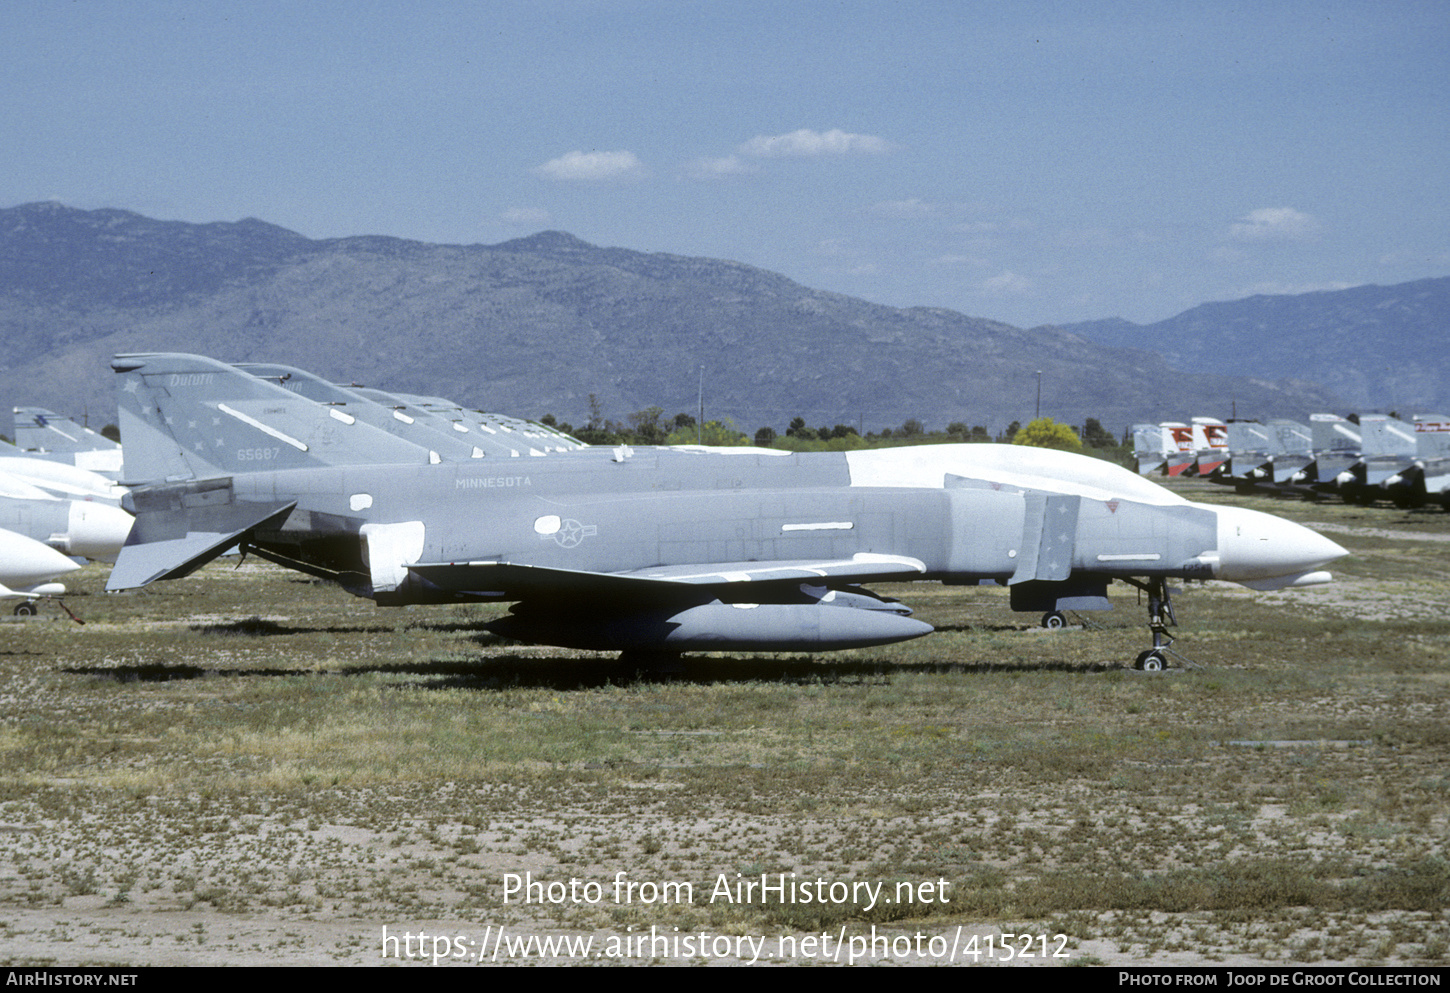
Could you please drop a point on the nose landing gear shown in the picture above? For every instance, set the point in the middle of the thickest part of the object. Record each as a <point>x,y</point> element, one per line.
<point>1160,619</point>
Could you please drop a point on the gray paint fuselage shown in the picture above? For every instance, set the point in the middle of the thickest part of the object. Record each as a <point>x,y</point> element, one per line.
<point>675,509</point>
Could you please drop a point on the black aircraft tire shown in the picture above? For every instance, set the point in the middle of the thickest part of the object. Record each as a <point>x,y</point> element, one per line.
<point>1151,661</point>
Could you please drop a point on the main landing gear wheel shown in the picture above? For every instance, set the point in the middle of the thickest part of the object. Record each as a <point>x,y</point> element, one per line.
<point>26,608</point>
<point>1054,620</point>
<point>1151,661</point>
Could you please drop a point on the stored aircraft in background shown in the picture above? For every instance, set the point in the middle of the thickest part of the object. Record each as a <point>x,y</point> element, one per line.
<point>1293,448</point>
<point>60,479</point>
<point>1177,449</point>
<point>444,428</point>
<point>51,510</point>
<point>1251,449</point>
<point>90,529</point>
<point>50,436</point>
<point>1265,457</point>
<point>660,551</point>
<point>349,403</point>
<point>1388,449</point>
<point>1167,448</point>
<point>537,436</point>
<point>28,568</point>
<point>1210,445</point>
<point>1427,478</point>
<point>1364,458</point>
<point>1148,449</point>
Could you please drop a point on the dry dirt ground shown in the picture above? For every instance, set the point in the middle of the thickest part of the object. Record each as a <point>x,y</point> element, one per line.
<point>245,767</point>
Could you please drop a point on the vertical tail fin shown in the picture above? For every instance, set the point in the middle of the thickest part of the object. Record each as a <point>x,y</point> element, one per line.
<point>1381,434</point>
<point>190,417</point>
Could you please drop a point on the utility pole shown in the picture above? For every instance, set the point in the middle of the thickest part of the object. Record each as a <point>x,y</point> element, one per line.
<point>1039,396</point>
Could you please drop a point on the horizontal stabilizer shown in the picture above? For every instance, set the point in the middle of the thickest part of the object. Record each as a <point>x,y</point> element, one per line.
<point>169,546</point>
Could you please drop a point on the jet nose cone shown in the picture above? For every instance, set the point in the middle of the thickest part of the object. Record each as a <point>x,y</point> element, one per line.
<point>1253,546</point>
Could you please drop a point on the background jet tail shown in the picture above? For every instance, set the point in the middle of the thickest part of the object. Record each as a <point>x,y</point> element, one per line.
<point>63,440</point>
<point>190,417</point>
<point>1384,435</point>
<point>1148,448</point>
<point>1432,436</point>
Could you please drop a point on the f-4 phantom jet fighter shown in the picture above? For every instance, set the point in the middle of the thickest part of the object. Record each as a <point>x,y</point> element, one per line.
<point>666,551</point>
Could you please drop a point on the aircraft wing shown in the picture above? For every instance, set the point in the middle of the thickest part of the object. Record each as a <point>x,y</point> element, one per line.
<point>506,580</point>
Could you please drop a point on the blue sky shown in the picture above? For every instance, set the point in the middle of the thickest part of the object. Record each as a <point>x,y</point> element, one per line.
<point>1023,161</point>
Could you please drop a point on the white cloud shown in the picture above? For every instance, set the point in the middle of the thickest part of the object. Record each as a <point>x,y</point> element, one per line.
<point>1413,258</point>
<point>956,259</point>
<point>1292,289</point>
<point>1274,224</point>
<point>806,142</point>
<point>593,166</point>
<point>835,248</point>
<point>526,216</point>
<point>730,165</point>
<point>1007,284</point>
<point>1091,238</point>
<point>905,209</point>
<point>982,228</point>
<point>845,256</point>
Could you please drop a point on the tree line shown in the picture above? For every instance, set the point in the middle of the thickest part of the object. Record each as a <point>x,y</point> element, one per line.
<point>650,426</point>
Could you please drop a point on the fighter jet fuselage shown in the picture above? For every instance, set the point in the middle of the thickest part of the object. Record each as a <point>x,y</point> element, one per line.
<point>684,529</point>
<point>648,511</point>
<point>658,550</point>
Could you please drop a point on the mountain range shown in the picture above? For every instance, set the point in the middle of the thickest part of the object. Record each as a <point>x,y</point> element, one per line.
<point>1371,346</point>
<point>540,324</point>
